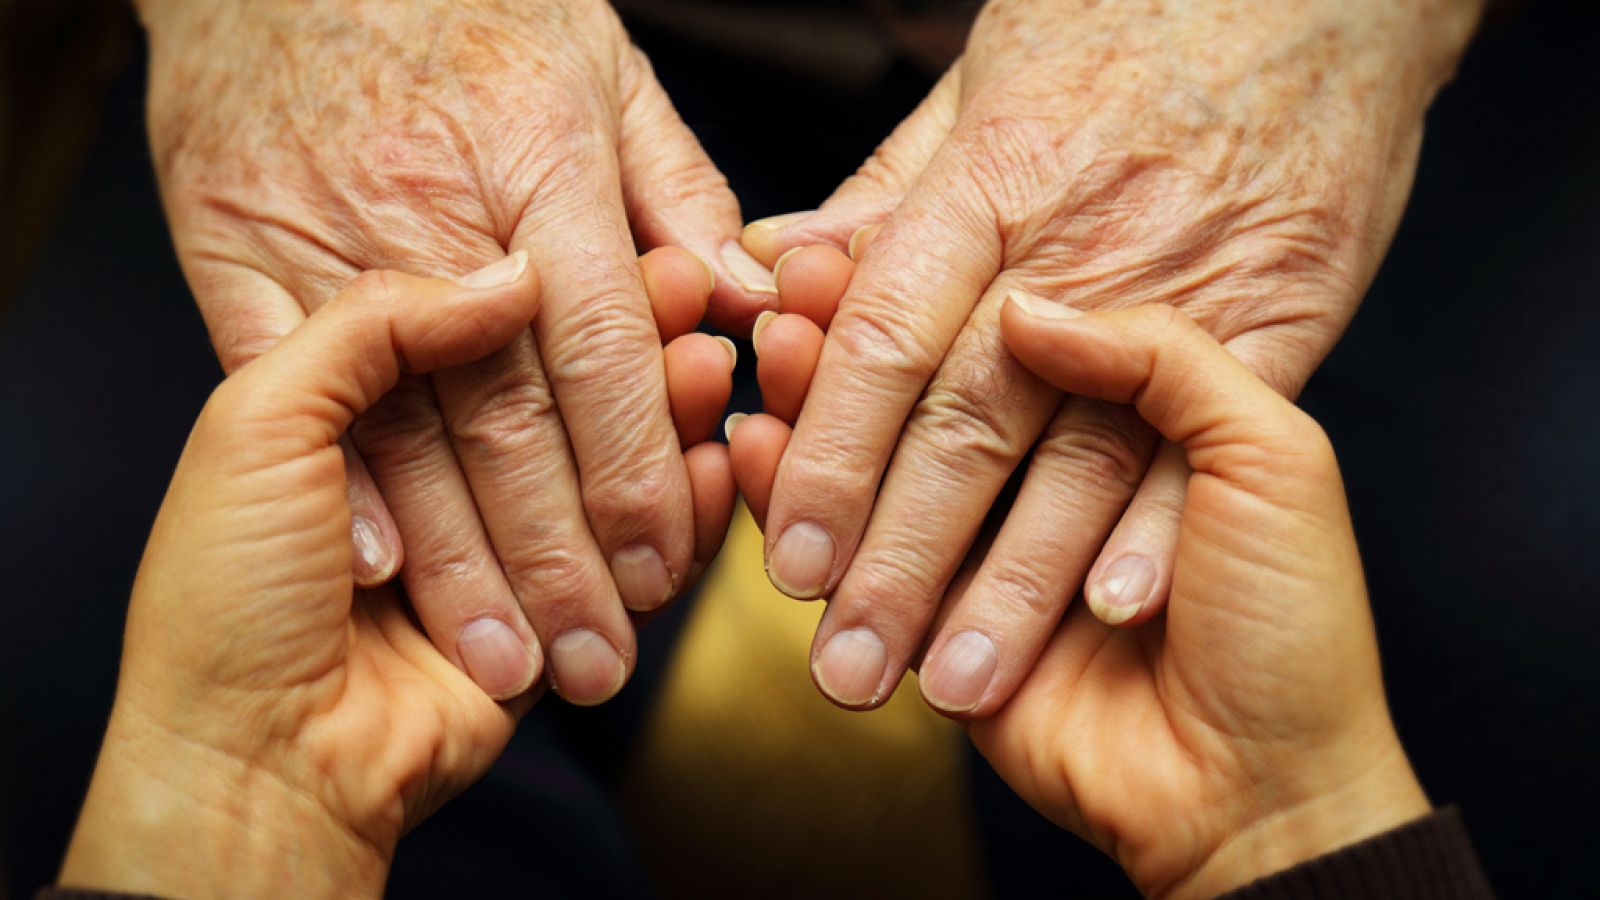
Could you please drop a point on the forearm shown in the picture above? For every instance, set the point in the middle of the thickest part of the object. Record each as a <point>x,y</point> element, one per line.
<point>169,817</point>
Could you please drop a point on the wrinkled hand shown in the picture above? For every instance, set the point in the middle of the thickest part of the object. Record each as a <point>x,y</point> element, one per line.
<point>543,487</point>
<point>1245,162</point>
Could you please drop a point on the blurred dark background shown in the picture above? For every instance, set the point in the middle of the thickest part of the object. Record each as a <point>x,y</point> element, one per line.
<point>1463,403</point>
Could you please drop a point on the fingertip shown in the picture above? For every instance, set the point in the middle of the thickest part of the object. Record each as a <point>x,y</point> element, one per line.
<point>763,239</point>
<point>699,374</point>
<point>755,447</point>
<point>679,285</point>
<point>812,281</point>
<point>715,494</point>
<point>788,349</point>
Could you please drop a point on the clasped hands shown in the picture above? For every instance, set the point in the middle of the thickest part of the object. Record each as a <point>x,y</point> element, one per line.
<point>540,483</point>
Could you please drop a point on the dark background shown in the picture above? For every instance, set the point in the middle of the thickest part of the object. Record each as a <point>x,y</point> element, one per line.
<point>1463,403</point>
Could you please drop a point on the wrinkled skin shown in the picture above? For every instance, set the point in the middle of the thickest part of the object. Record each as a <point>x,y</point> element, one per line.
<point>1245,162</point>
<point>299,143</point>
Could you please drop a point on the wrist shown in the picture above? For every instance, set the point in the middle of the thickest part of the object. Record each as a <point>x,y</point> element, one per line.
<point>1316,815</point>
<point>173,817</point>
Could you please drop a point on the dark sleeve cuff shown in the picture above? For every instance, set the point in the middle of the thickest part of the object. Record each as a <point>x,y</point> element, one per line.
<point>1427,859</point>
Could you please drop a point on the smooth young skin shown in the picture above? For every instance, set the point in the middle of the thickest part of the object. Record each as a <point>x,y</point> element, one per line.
<point>276,731</point>
<point>299,143</point>
<point>1247,729</point>
<point>1246,162</point>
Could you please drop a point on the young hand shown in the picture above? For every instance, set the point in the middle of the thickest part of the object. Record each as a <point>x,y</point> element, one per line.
<point>275,731</point>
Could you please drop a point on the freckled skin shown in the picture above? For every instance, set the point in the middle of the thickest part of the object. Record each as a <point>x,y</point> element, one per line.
<point>1244,162</point>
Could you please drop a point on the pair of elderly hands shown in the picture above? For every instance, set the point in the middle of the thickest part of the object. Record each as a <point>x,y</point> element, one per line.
<point>1247,164</point>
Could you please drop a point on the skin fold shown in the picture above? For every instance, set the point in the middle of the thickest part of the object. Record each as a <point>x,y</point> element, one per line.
<point>1244,730</point>
<point>299,143</point>
<point>1244,162</point>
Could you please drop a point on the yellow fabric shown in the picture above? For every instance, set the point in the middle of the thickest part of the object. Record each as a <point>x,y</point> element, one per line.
<point>748,783</point>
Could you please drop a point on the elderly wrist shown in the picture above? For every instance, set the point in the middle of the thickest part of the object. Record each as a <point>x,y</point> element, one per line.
<point>172,817</point>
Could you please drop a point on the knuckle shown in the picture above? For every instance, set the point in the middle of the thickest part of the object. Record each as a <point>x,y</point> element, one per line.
<point>626,496</point>
<point>558,585</point>
<point>508,415</point>
<point>603,342</point>
<point>442,564</point>
<point>1097,448</point>
<point>403,429</point>
<point>968,420</point>
<point>882,339</point>
<point>832,472</point>
<point>1025,588</point>
<point>898,583</point>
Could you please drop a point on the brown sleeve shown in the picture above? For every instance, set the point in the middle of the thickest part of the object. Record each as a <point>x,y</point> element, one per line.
<point>1428,859</point>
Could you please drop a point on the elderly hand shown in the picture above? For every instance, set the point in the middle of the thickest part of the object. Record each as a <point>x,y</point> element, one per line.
<point>1247,730</point>
<point>275,731</point>
<point>1245,162</point>
<point>299,143</point>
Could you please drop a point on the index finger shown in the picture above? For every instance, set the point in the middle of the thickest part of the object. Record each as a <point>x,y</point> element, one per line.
<point>905,305</point>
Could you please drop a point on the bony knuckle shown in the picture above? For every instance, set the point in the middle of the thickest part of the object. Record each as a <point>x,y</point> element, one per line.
<point>557,584</point>
<point>1096,450</point>
<point>627,496</point>
<point>1022,586</point>
<point>401,429</point>
<point>972,419</point>
<point>898,583</point>
<point>832,468</point>
<point>505,417</point>
<point>605,339</point>
<point>881,337</point>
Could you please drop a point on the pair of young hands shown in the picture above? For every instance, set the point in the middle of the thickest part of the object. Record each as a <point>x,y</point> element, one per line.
<point>277,730</point>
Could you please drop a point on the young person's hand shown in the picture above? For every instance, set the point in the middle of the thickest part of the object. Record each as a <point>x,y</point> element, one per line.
<point>1241,733</point>
<point>275,732</point>
<point>1247,730</point>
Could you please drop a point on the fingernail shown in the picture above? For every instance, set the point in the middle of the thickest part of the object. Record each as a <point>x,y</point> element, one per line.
<point>860,238</point>
<point>373,563</point>
<point>1122,590</point>
<point>763,230</point>
<point>777,267</point>
<point>955,679</point>
<point>497,273</point>
<point>585,669</point>
<point>762,321</point>
<point>801,561</point>
<point>731,423</point>
<point>1041,308</point>
<point>495,658</point>
<point>850,667</point>
<point>751,275</point>
<point>733,352</point>
<point>710,272</point>
<point>642,578</point>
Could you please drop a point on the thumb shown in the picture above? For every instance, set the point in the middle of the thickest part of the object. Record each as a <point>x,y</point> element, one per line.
<point>1230,423</point>
<point>306,390</point>
<point>676,196</point>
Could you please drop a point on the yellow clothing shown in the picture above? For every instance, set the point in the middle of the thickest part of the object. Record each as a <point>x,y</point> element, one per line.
<point>746,782</point>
